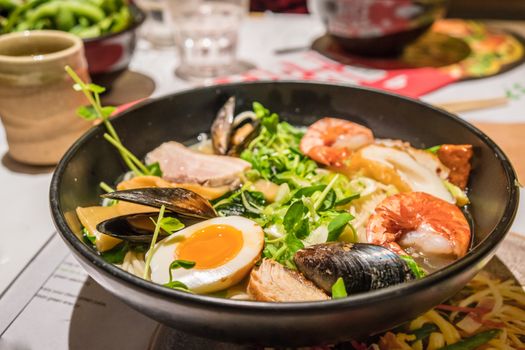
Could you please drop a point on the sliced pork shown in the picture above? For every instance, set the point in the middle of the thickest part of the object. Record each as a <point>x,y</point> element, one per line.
<point>183,165</point>
<point>272,281</point>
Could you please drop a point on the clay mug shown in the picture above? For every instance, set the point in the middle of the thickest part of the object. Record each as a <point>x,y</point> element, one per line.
<point>37,101</point>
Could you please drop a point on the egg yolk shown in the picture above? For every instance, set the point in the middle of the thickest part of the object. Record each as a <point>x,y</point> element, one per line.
<point>211,246</point>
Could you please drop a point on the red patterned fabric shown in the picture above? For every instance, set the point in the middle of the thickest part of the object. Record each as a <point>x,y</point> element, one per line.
<point>290,6</point>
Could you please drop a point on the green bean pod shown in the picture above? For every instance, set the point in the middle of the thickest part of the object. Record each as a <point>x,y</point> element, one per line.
<point>473,342</point>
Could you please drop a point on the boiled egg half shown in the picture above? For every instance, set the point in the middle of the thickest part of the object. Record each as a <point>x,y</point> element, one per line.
<point>224,250</point>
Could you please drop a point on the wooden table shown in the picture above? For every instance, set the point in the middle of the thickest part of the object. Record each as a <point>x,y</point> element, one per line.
<point>511,138</point>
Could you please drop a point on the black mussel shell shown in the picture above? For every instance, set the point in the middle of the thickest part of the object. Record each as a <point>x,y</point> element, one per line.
<point>175,199</point>
<point>230,134</point>
<point>363,267</point>
<point>222,127</point>
<point>236,149</point>
<point>137,228</point>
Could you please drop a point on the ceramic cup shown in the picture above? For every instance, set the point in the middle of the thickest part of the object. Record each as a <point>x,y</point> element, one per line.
<point>37,101</point>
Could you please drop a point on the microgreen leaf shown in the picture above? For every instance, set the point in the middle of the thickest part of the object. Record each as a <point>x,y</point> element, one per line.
<point>337,226</point>
<point>97,111</point>
<point>230,209</point>
<point>414,266</point>
<point>270,123</point>
<point>107,111</point>
<point>87,112</point>
<point>259,110</point>
<point>252,201</point>
<point>433,149</point>
<point>116,255</point>
<point>347,200</point>
<point>321,201</point>
<point>185,264</point>
<point>302,230</point>
<point>171,224</point>
<point>294,216</point>
<point>177,264</point>
<point>255,198</point>
<point>339,289</point>
<point>293,243</point>
<point>90,113</point>
<point>95,88</point>
<point>154,169</point>
<point>88,237</point>
<point>178,286</point>
<point>308,191</point>
<point>328,201</point>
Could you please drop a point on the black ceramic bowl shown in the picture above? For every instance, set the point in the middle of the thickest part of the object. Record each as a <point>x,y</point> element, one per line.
<point>378,27</point>
<point>182,116</point>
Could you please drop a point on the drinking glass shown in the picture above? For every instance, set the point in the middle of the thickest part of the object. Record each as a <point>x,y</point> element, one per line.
<point>206,35</point>
<point>156,29</point>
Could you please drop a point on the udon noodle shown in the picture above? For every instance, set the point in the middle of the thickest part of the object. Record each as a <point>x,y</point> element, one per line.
<point>487,303</point>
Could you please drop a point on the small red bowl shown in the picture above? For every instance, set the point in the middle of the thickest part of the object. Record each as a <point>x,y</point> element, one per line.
<point>110,54</point>
<point>378,27</point>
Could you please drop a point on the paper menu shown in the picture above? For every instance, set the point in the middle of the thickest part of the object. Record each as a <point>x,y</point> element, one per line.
<point>55,305</point>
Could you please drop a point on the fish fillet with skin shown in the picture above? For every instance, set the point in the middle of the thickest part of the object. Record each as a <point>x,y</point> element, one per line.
<point>183,165</point>
<point>272,281</point>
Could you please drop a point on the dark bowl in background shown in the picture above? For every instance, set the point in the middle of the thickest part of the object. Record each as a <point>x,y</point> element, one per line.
<point>109,55</point>
<point>378,27</point>
<point>182,116</point>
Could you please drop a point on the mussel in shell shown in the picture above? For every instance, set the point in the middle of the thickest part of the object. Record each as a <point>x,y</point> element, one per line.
<point>174,199</point>
<point>362,267</point>
<point>222,127</point>
<point>139,228</point>
<point>229,133</point>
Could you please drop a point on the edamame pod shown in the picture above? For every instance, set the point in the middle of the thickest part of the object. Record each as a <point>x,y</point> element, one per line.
<point>46,10</point>
<point>122,20</point>
<point>86,18</point>
<point>85,9</point>
<point>9,5</point>
<point>65,20</point>
<point>12,20</point>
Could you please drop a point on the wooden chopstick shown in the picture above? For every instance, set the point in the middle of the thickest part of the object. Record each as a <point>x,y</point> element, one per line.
<point>471,105</point>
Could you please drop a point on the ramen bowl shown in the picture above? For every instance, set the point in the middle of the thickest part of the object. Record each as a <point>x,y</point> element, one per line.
<point>185,115</point>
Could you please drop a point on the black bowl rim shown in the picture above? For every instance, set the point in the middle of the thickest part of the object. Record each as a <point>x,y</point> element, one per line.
<point>138,18</point>
<point>473,257</point>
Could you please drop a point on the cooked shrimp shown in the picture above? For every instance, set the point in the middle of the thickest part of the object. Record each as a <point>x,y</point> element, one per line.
<point>330,141</point>
<point>419,222</point>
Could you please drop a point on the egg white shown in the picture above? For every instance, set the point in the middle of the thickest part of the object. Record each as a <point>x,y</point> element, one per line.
<point>213,279</point>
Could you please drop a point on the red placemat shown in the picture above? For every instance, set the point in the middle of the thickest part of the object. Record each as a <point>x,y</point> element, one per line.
<point>452,50</point>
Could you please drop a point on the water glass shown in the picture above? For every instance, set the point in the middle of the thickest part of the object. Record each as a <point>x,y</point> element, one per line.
<point>156,29</point>
<point>206,35</point>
